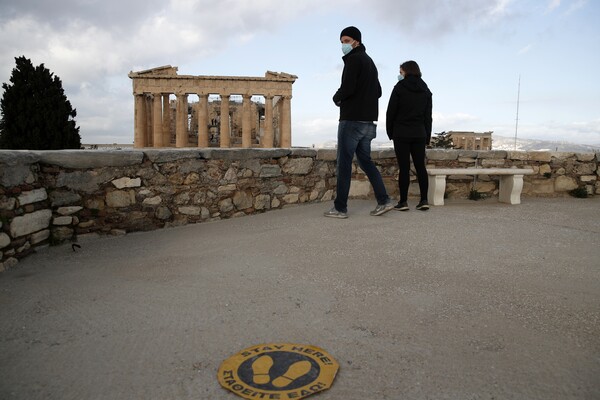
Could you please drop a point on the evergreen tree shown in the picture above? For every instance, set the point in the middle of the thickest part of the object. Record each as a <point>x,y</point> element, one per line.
<point>442,140</point>
<point>36,114</point>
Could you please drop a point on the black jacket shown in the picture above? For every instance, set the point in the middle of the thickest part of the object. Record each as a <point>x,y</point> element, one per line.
<point>359,93</point>
<point>409,110</point>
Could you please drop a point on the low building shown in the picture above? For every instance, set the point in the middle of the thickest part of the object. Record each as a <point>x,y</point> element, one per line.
<point>471,140</point>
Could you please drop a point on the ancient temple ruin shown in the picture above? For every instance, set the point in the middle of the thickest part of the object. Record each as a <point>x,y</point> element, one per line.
<point>230,111</point>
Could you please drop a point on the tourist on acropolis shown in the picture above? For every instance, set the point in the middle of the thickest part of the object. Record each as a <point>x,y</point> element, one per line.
<point>358,99</point>
<point>408,124</point>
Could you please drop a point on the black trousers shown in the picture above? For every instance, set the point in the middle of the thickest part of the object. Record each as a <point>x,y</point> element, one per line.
<point>405,148</point>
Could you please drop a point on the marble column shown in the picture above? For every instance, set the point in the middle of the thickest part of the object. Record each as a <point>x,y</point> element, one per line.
<point>246,122</point>
<point>149,120</point>
<point>181,131</point>
<point>203,120</point>
<point>157,120</point>
<point>139,121</point>
<point>166,126</point>
<point>225,135</point>
<point>268,136</point>
<point>286,122</point>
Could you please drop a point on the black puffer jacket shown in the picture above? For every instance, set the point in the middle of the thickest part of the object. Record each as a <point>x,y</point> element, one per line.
<point>359,93</point>
<point>409,110</point>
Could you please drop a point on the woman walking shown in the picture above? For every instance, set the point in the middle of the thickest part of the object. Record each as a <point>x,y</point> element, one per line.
<point>408,124</point>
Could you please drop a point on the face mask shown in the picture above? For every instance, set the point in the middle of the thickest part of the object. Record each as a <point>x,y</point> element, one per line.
<point>346,48</point>
<point>400,77</point>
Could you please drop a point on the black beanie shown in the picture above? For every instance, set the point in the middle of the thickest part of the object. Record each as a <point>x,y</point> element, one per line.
<point>353,32</point>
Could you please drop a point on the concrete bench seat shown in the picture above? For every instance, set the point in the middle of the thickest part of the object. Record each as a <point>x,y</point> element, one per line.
<point>511,182</point>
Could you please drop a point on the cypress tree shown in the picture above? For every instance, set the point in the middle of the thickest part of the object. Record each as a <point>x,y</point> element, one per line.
<point>442,140</point>
<point>36,114</point>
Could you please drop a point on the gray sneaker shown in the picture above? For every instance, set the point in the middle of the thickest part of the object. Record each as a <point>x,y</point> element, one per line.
<point>382,208</point>
<point>333,213</point>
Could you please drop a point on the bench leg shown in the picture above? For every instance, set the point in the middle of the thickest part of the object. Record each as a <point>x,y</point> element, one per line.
<point>437,187</point>
<point>510,189</point>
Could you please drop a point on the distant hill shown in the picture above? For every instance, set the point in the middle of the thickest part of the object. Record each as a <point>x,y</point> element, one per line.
<point>505,143</point>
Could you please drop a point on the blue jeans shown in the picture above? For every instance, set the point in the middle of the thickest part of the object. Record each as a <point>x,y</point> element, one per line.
<point>355,137</point>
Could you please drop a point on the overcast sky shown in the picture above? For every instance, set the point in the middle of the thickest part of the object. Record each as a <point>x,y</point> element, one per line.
<point>471,53</point>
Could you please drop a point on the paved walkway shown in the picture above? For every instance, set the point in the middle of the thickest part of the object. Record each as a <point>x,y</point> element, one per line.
<point>472,300</point>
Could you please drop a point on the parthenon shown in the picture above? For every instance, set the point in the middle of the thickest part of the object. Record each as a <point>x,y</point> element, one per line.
<point>257,110</point>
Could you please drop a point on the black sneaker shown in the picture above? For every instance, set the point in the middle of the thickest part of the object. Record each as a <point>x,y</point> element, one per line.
<point>401,206</point>
<point>423,205</point>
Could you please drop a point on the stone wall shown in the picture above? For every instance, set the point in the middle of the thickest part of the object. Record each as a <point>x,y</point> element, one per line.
<point>49,197</point>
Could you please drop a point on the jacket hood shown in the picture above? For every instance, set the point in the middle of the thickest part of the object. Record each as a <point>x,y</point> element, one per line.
<point>414,84</point>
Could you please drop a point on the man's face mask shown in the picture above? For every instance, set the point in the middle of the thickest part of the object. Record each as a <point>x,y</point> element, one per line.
<point>346,48</point>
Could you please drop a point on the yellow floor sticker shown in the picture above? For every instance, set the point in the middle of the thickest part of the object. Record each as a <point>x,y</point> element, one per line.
<point>278,371</point>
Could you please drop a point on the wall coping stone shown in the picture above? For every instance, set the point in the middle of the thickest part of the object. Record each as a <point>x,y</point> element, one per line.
<point>82,159</point>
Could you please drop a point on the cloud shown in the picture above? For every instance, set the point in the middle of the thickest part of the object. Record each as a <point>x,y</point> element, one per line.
<point>422,18</point>
<point>553,4</point>
<point>525,49</point>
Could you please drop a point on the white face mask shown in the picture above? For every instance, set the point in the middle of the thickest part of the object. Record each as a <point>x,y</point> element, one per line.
<point>346,48</point>
<point>400,77</point>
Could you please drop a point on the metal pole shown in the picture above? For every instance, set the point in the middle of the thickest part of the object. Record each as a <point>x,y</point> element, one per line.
<point>517,118</point>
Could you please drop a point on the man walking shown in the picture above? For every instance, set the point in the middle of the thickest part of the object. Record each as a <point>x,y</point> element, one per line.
<point>358,99</point>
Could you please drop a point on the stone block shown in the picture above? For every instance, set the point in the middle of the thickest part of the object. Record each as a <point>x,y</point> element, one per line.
<point>32,196</point>
<point>226,205</point>
<point>298,166</point>
<point>152,201</point>
<point>545,169</point>
<point>565,183</point>
<point>306,152</point>
<point>281,189</point>
<point>163,213</point>
<point>190,210</point>
<point>588,178</point>
<point>517,155</point>
<point>561,156</point>
<point>327,154</point>
<point>62,198</point>
<point>83,159</point>
<point>485,187</point>
<point>360,188</point>
<point>586,156</point>
<point>290,198</point>
<point>584,168</point>
<point>544,156</point>
<point>542,186</point>
<point>39,236</point>
<point>493,162</point>
<point>468,154</point>
<point>494,154</point>
<point>262,202</point>
<point>62,233</point>
<point>242,200</point>
<point>14,175</point>
<point>7,203</point>
<point>4,240</point>
<point>120,198</point>
<point>231,175</point>
<point>328,195</point>
<point>441,154</point>
<point>126,182</point>
<point>69,210</point>
<point>269,171</point>
<point>191,179</point>
<point>29,223</point>
<point>61,221</point>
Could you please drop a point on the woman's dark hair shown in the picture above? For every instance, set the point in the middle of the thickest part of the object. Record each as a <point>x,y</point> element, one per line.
<point>411,68</point>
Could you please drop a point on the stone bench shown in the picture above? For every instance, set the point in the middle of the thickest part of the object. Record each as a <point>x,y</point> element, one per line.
<point>511,182</point>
